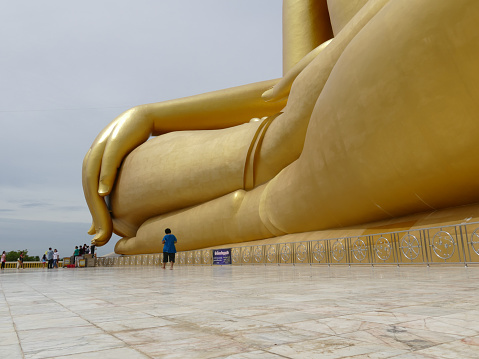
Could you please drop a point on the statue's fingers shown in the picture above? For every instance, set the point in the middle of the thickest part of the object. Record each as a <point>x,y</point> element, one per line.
<point>92,230</point>
<point>97,148</point>
<point>101,238</point>
<point>87,191</point>
<point>132,130</point>
<point>96,204</point>
<point>268,95</point>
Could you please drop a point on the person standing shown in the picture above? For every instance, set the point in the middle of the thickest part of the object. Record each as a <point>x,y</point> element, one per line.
<point>169,249</point>
<point>4,259</point>
<point>50,258</point>
<point>44,259</point>
<point>76,253</point>
<point>20,261</point>
<point>56,258</point>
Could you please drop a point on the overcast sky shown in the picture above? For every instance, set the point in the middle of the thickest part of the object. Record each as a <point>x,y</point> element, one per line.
<point>67,68</point>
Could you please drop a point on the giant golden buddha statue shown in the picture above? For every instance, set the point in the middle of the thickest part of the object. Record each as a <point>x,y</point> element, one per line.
<point>375,117</point>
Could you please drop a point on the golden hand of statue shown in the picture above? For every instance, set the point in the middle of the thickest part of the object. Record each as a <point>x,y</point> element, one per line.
<point>102,161</point>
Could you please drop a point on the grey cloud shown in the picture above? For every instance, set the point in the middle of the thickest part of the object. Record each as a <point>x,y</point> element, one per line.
<point>72,208</point>
<point>35,204</point>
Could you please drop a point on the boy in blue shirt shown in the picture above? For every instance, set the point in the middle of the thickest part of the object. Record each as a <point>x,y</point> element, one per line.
<point>169,249</point>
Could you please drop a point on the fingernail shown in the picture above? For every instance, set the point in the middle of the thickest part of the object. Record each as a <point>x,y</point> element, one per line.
<point>103,189</point>
<point>267,94</point>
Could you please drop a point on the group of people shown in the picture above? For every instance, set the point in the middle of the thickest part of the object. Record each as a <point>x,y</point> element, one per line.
<point>80,251</point>
<point>51,258</point>
<point>19,260</point>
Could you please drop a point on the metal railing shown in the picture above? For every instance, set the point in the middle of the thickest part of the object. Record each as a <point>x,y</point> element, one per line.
<point>30,265</point>
<point>455,244</point>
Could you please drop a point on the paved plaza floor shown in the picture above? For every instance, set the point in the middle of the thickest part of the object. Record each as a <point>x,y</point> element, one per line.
<point>240,312</point>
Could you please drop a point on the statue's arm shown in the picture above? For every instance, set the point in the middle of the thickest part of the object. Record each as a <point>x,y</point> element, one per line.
<point>212,110</point>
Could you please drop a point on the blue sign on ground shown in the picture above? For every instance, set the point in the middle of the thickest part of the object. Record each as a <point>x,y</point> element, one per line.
<point>222,256</point>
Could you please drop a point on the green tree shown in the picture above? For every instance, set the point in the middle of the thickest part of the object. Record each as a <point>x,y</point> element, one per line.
<point>13,256</point>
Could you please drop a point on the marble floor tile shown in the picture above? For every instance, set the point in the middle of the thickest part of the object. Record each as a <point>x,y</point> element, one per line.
<point>430,310</point>
<point>257,354</point>
<point>201,346</point>
<point>406,355</point>
<point>443,326</point>
<point>329,310</point>
<point>102,315</point>
<point>400,337</point>
<point>116,353</point>
<point>24,319</point>
<point>7,327</point>
<point>464,349</point>
<point>331,347</point>
<point>133,324</point>
<point>11,351</point>
<point>200,317</point>
<point>470,316</point>
<point>272,336</point>
<point>67,345</point>
<point>284,318</point>
<point>4,310</point>
<point>25,324</point>
<point>385,317</point>
<point>255,311</point>
<point>28,308</point>
<point>164,334</point>
<point>8,337</point>
<point>456,321</point>
<point>158,310</point>
<point>333,326</point>
<point>54,333</point>
<point>84,304</point>
<point>232,325</point>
